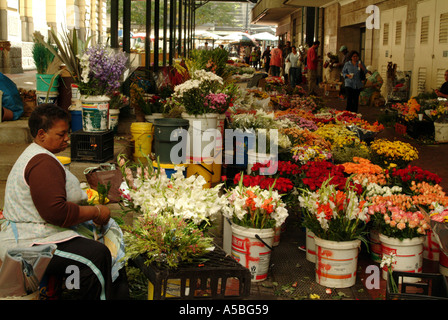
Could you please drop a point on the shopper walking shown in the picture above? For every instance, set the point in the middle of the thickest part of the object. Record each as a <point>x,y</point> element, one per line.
<point>353,72</point>
<point>267,58</point>
<point>276,61</point>
<point>312,63</point>
<point>295,71</point>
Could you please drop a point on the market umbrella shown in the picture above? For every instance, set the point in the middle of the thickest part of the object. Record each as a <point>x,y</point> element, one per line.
<point>239,37</point>
<point>23,269</point>
<point>265,36</point>
<point>207,35</point>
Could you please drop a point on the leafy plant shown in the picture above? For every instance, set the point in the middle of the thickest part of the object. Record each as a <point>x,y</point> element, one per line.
<point>69,47</point>
<point>44,59</point>
<point>165,240</point>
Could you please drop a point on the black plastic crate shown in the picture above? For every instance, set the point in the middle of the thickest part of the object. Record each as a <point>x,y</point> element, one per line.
<point>432,286</point>
<point>218,277</point>
<point>92,146</point>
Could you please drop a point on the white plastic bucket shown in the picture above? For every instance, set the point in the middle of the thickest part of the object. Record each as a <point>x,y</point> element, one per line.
<point>200,146</point>
<point>310,246</point>
<point>431,248</point>
<point>440,132</point>
<point>152,117</point>
<point>254,157</point>
<point>408,255</point>
<point>41,97</point>
<point>251,252</point>
<point>277,234</point>
<point>375,245</point>
<point>443,264</point>
<point>114,116</point>
<point>95,113</point>
<point>336,262</point>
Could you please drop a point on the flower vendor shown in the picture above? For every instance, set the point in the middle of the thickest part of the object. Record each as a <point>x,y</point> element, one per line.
<point>41,207</point>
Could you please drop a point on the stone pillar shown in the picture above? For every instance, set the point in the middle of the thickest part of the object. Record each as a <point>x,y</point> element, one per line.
<point>5,47</point>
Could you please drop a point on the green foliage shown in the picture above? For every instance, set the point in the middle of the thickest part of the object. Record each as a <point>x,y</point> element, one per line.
<point>165,240</point>
<point>42,57</point>
<point>211,60</point>
<point>347,152</point>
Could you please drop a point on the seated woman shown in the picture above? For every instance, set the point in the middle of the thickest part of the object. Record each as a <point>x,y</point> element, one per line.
<point>443,92</point>
<point>41,207</point>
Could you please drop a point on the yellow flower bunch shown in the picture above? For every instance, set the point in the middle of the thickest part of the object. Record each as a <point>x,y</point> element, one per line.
<point>394,152</point>
<point>338,135</point>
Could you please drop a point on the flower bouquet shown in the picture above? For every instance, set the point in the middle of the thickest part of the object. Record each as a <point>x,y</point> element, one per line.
<point>152,192</point>
<point>365,172</point>
<point>165,240</point>
<point>191,94</point>
<point>274,84</point>
<point>388,153</point>
<point>253,207</point>
<point>118,100</point>
<point>440,113</point>
<point>102,70</point>
<point>404,177</point>
<point>394,222</point>
<point>334,214</point>
<point>314,174</point>
<point>304,153</point>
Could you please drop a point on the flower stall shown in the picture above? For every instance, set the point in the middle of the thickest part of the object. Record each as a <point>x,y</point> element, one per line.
<point>326,175</point>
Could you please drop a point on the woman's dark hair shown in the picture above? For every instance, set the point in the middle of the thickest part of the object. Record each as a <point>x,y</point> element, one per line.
<point>44,116</point>
<point>353,52</point>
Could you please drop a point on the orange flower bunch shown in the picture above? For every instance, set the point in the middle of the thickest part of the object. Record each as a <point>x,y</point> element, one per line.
<point>426,194</point>
<point>402,201</point>
<point>363,169</point>
<point>301,136</point>
<point>297,111</point>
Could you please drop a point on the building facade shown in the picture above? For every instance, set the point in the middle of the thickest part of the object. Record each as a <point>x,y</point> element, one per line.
<point>413,34</point>
<point>19,19</point>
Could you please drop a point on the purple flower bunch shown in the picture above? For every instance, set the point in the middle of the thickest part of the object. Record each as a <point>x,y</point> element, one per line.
<point>102,70</point>
<point>217,102</point>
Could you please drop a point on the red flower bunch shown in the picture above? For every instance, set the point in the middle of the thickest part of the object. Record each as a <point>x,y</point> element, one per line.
<point>414,173</point>
<point>284,168</point>
<point>314,173</point>
<point>282,185</point>
<point>346,116</point>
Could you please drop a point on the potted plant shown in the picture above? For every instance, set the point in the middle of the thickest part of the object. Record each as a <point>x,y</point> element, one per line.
<point>337,218</point>
<point>254,213</point>
<point>47,66</point>
<point>97,70</point>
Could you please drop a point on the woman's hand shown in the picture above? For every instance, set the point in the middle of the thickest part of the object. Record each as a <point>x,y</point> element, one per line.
<point>102,216</point>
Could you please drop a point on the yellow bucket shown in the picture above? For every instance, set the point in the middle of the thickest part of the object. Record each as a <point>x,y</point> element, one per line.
<point>173,289</point>
<point>65,161</point>
<point>169,167</point>
<point>142,134</point>
<point>203,169</point>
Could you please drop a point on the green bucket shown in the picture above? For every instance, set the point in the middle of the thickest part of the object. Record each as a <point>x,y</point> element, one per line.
<point>46,81</point>
<point>163,128</point>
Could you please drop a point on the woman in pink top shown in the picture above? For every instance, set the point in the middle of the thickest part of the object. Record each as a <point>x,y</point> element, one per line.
<point>276,61</point>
